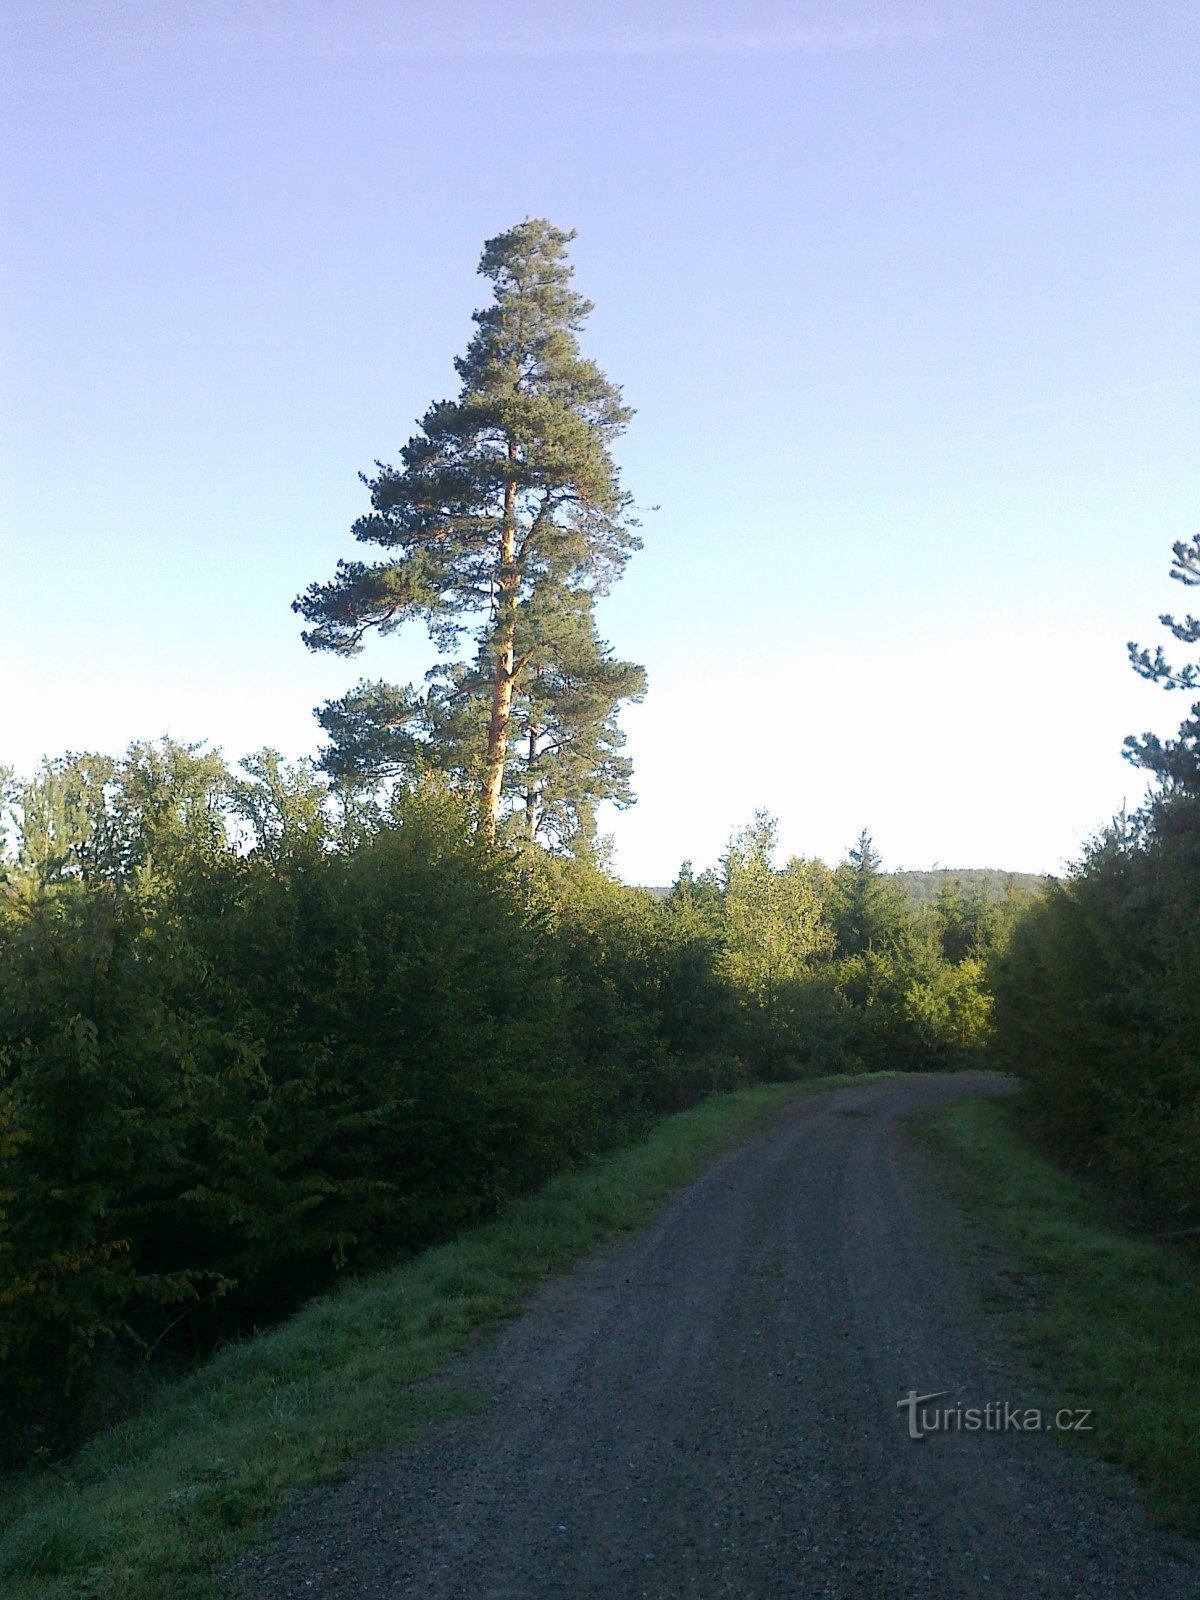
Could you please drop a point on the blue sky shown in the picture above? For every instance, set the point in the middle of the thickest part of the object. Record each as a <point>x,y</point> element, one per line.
<point>905,297</point>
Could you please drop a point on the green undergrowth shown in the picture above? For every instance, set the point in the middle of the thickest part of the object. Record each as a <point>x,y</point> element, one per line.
<point>162,1503</point>
<point>1103,1319</point>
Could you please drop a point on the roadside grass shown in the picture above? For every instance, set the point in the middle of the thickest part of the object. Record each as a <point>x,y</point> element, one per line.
<point>161,1504</point>
<point>1103,1318</point>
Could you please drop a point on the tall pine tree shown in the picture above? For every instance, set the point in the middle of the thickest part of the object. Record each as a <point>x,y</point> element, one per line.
<point>507,504</point>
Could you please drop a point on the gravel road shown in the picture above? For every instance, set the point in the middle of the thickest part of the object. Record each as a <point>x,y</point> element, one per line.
<point>709,1410</point>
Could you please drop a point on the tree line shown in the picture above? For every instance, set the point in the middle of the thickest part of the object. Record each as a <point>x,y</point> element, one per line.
<point>252,1040</point>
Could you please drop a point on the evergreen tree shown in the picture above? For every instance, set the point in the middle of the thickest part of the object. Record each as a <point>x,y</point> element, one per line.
<point>564,740</point>
<point>869,908</point>
<point>1176,761</point>
<point>507,500</point>
<point>567,740</point>
<point>964,917</point>
<point>375,731</point>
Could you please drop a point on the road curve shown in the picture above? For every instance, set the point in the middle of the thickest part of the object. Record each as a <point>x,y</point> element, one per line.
<point>709,1410</point>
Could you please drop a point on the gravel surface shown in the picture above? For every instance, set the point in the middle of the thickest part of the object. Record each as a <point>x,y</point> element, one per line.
<point>709,1409</point>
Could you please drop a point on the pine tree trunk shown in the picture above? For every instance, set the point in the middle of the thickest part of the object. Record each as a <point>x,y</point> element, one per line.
<point>502,681</point>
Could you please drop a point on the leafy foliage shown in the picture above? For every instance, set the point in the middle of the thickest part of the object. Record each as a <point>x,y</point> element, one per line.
<point>257,1032</point>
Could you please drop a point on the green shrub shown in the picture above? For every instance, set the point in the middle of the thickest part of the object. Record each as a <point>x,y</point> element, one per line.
<point>1098,1007</point>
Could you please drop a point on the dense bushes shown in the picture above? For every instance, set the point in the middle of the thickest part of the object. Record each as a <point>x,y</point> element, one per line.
<point>221,1088</point>
<point>1098,1007</point>
<point>253,1035</point>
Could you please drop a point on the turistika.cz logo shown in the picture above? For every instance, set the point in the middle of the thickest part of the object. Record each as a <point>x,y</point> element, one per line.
<point>997,1416</point>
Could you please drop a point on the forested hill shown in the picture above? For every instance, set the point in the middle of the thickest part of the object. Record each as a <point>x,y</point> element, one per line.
<point>923,887</point>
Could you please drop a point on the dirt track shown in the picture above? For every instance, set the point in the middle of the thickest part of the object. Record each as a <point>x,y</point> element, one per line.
<point>710,1409</point>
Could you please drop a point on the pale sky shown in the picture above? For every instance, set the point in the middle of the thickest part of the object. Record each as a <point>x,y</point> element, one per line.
<point>905,297</point>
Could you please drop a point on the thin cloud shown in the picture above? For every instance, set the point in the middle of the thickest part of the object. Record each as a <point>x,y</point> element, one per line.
<point>122,37</point>
<point>733,42</point>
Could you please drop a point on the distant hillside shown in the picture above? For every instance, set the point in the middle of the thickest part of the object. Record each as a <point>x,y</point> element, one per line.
<point>922,887</point>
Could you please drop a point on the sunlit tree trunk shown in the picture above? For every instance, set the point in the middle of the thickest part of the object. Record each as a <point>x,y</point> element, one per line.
<point>504,675</point>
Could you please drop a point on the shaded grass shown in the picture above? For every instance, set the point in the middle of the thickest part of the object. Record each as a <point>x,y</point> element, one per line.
<point>161,1504</point>
<point>1103,1318</point>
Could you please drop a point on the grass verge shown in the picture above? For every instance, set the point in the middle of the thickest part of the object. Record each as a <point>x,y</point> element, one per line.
<point>162,1503</point>
<point>1103,1318</point>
